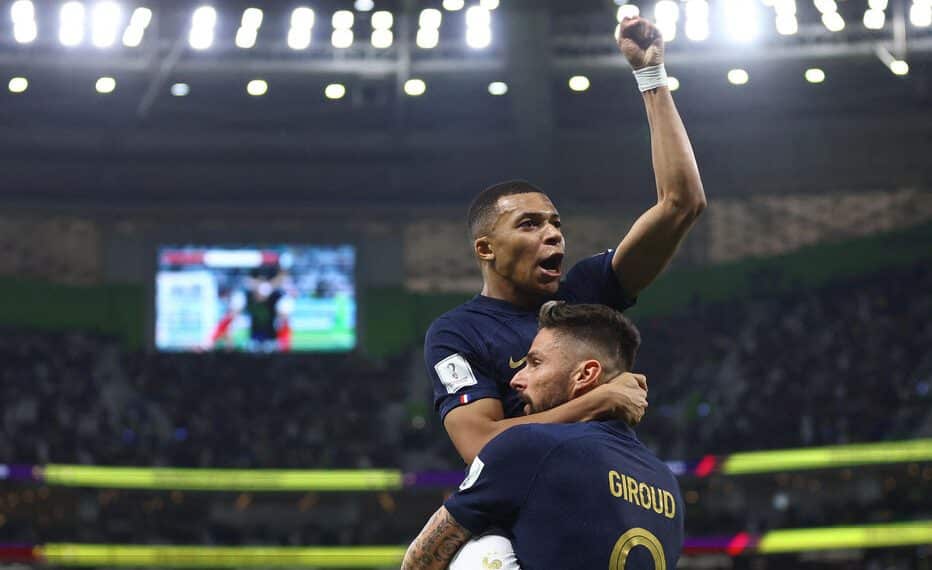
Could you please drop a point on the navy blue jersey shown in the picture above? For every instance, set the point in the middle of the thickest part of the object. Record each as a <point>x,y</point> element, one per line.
<point>473,351</point>
<point>575,496</point>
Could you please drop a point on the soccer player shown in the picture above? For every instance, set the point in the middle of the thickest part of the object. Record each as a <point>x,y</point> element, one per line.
<point>473,351</point>
<point>573,496</point>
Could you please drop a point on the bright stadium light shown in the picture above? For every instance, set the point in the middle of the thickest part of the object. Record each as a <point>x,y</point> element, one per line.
<point>382,20</point>
<point>498,88</point>
<point>25,33</point>
<point>673,83</point>
<point>302,17</point>
<point>697,20</point>
<point>335,91</point>
<point>814,75</point>
<point>920,14</point>
<point>203,21</point>
<point>874,19</point>
<point>363,5</point>
<point>180,90</point>
<point>833,22</point>
<point>22,11</point>
<point>428,38</point>
<point>105,85</point>
<point>105,19</point>
<point>453,5</point>
<point>18,84</point>
<point>785,7</point>
<point>430,18</point>
<point>252,18</point>
<point>666,14</point>
<point>627,11</point>
<point>478,17</point>
<point>246,37</point>
<point>579,83</point>
<point>257,87</point>
<point>71,24</point>
<point>899,67</point>
<point>478,38</point>
<point>877,4</point>
<point>826,6</point>
<point>382,39</point>
<point>489,4</point>
<point>141,17</point>
<point>299,38</point>
<point>741,19</point>
<point>738,77</point>
<point>302,21</point>
<point>787,25</point>
<point>341,39</point>
<point>342,20</point>
<point>415,87</point>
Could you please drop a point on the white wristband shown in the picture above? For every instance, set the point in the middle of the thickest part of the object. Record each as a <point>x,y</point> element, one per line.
<point>651,77</point>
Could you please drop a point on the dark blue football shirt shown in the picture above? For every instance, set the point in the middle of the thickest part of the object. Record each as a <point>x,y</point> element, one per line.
<point>575,496</point>
<point>473,351</point>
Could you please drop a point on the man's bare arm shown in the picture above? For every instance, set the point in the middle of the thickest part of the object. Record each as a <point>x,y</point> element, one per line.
<point>472,426</point>
<point>437,544</point>
<point>654,238</point>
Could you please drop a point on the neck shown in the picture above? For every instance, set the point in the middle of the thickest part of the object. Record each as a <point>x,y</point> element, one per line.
<point>495,287</point>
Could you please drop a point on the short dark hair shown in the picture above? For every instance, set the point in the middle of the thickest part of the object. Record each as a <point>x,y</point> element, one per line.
<point>606,330</point>
<point>482,211</point>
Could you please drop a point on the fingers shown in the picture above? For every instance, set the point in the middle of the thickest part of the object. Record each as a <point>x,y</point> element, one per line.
<point>640,31</point>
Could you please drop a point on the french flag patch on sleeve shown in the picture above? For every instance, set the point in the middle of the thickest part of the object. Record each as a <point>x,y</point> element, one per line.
<point>464,399</point>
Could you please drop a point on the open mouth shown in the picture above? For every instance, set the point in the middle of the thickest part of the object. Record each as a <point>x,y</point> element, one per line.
<point>551,264</point>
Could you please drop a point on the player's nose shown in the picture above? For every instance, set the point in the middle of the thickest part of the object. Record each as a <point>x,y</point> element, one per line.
<point>553,235</point>
<point>517,381</point>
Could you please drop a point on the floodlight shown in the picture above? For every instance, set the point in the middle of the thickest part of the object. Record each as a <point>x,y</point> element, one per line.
<point>415,87</point>
<point>579,83</point>
<point>382,39</point>
<point>105,85</point>
<point>105,19</point>
<point>427,38</point>
<point>257,87</point>
<point>71,24</point>
<point>335,91</point>
<point>498,88</point>
<point>382,20</point>
<point>18,84</point>
<point>180,89</point>
<point>478,38</point>
<point>814,75</point>
<point>738,77</point>
<point>430,18</point>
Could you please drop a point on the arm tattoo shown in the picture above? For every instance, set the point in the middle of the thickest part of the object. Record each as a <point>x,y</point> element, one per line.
<point>438,542</point>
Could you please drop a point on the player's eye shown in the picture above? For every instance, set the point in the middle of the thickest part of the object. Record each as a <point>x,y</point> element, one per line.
<point>527,224</point>
<point>557,224</point>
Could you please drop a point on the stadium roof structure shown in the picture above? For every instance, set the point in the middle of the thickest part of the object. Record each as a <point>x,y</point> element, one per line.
<point>184,114</point>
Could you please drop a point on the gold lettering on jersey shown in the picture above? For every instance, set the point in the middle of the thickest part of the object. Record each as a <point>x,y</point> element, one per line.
<point>648,497</point>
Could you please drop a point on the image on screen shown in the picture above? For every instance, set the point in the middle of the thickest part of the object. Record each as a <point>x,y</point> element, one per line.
<point>256,299</point>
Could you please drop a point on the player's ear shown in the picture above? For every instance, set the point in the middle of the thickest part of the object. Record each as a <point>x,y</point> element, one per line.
<point>484,250</point>
<point>587,376</point>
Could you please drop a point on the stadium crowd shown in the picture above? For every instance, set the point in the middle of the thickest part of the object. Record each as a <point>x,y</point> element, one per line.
<point>840,364</point>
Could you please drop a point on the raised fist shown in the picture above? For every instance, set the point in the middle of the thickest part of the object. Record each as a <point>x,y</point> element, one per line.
<point>641,42</point>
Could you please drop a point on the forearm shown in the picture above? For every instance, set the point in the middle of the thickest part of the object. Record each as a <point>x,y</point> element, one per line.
<point>471,431</point>
<point>675,168</point>
<point>437,543</point>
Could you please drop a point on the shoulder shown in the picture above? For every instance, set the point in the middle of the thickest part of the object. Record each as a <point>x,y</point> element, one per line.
<point>534,439</point>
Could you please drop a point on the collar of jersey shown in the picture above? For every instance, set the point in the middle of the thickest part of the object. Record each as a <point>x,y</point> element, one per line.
<point>501,305</point>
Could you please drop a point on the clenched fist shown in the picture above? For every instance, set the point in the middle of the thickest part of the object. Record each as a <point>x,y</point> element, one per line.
<point>641,42</point>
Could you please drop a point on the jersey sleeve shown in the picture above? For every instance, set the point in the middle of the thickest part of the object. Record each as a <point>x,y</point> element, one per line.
<point>500,479</point>
<point>593,280</point>
<point>457,368</point>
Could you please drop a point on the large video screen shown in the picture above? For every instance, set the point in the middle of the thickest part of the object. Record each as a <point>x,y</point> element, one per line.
<point>257,299</point>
